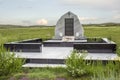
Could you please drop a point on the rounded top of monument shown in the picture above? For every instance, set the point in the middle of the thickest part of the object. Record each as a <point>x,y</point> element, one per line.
<point>69,13</point>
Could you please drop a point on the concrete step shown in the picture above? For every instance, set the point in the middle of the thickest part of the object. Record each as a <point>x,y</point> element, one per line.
<point>45,61</point>
<point>33,65</point>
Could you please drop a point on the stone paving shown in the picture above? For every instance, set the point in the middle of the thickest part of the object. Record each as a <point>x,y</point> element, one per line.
<point>63,53</point>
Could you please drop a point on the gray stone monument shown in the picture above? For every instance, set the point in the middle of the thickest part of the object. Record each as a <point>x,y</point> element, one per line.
<point>69,25</point>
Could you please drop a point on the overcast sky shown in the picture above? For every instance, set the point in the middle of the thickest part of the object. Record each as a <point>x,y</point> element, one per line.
<point>47,12</point>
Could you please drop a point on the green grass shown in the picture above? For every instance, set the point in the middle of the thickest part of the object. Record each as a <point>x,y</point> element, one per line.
<point>13,34</point>
<point>57,73</point>
<point>17,34</point>
<point>113,32</point>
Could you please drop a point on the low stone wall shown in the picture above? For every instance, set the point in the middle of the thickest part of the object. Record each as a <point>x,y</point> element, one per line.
<point>34,45</point>
<point>45,61</point>
<point>96,47</point>
<point>58,44</point>
<point>31,41</point>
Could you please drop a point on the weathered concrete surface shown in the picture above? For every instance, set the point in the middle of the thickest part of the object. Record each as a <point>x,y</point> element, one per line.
<point>60,26</point>
<point>63,53</point>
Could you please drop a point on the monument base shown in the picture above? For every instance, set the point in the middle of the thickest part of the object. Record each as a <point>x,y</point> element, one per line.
<point>68,38</point>
<point>61,43</point>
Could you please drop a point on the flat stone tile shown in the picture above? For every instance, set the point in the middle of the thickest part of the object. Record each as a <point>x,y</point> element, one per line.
<point>84,40</point>
<point>43,65</point>
<point>48,53</point>
<point>101,56</point>
<point>63,53</point>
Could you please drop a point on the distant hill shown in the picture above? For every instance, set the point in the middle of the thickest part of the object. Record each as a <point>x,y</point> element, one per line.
<point>103,24</point>
<point>10,26</point>
<point>20,26</point>
<point>89,25</point>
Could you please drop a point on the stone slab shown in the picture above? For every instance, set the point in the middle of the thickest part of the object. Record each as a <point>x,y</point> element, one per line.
<point>43,65</point>
<point>79,40</point>
<point>63,53</point>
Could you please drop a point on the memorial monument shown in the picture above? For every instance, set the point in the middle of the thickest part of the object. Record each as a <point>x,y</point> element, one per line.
<point>69,35</point>
<point>69,26</point>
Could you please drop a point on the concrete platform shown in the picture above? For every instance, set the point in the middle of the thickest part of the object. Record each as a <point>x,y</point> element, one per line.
<point>47,53</point>
<point>55,57</point>
<point>63,53</point>
<point>80,40</point>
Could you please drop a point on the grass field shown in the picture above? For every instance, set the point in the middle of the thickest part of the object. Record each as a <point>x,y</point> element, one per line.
<point>17,34</point>
<point>109,32</point>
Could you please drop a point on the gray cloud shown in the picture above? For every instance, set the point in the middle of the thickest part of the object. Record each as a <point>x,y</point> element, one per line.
<point>26,22</point>
<point>31,0</point>
<point>88,18</point>
<point>97,4</point>
<point>1,1</point>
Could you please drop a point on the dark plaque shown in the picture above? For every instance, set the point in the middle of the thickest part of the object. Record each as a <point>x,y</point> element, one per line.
<point>69,29</point>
